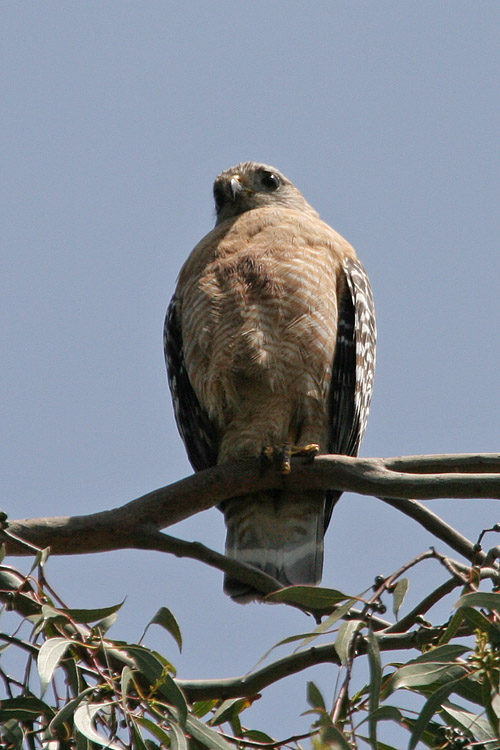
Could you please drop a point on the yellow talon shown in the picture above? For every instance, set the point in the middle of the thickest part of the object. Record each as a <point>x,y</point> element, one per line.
<point>282,454</point>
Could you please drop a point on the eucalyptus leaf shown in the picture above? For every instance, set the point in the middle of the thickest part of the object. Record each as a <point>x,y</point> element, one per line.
<point>84,721</point>
<point>68,709</point>
<point>311,597</point>
<point>207,736</point>
<point>49,656</point>
<point>85,616</point>
<point>433,704</point>
<point>314,697</point>
<point>347,632</point>
<point>399,593</point>
<point>166,619</point>
<point>476,724</point>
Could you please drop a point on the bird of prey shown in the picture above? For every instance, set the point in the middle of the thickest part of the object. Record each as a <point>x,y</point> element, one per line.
<point>270,345</point>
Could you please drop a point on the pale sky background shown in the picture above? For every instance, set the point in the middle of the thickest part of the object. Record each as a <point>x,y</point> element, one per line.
<point>116,117</point>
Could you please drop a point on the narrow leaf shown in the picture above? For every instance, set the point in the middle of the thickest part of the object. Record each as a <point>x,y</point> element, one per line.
<point>228,709</point>
<point>166,619</point>
<point>432,705</point>
<point>201,708</point>
<point>178,739</point>
<point>424,675</point>
<point>334,739</point>
<point>151,667</point>
<point>314,697</point>
<point>84,718</point>
<point>442,654</point>
<point>478,725</point>
<point>84,616</point>
<point>311,597</point>
<point>347,632</point>
<point>207,736</point>
<point>375,665</point>
<point>257,736</point>
<point>480,599</point>
<point>452,627</point>
<point>126,678</point>
<point>12,735</point>
<point>49,656</point>
<point>399,594</point>
<point>152,727</point>
<point>385,713</point>
<point>68,710</point>
<point>339,613</point>
<point>27,708</point>
<point>138,743</point>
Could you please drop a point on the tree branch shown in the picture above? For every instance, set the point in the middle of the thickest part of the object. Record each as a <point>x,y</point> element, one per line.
<point>251,684</point>
<point>392,479</point>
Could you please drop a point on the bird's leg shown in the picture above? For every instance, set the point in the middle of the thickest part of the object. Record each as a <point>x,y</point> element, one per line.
<point>282,454</point>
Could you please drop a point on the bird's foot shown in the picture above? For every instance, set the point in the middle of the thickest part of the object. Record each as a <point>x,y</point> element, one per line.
<point>282,454</point>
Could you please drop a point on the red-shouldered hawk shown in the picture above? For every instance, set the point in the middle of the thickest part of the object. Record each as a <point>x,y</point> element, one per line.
<point>270,342</point>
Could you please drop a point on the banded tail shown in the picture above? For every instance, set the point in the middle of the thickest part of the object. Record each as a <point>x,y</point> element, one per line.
<point>281,534</point>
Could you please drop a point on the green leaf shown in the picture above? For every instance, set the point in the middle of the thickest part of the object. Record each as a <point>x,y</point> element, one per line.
<point>334,738</point>
<point>339,613</point>
<point>106,623</point>
<point>12,735</point>
<point>166,619</point>
<point>152,668</point>
<point>257,736</point>
<point>476,619</point>
<point>433,704</point>
<point>139,743</point>
<point>84,616</point>
<point>385,713</point>
<point>484,599</point>
<point>152,727</point>
<point>27,708</point>
<point>452,627</point>
<point>424,675</point>
<point>201,708</point>
<point>68,709</point>
<point>228,709</point>
<point>207,736</point>
<point>314,697</point>
<point>476,724</point>
<point>399,594</point>
<point>49,656</point>
<point>178,739</point>
<point>126,678</point>
<point>347,632</point>
<point>311,597</point>
<point>84,718</point>
<point>444,654</point>
<point>375,665</point>
<point>41,558</point>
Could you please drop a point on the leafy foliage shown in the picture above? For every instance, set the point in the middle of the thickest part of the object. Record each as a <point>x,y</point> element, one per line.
<point>80,689</point>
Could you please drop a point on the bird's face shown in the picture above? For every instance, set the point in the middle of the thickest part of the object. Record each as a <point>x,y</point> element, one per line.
<point>249,185</point>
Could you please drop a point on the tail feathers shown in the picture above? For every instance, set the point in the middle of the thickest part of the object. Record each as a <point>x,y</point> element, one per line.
<point>279,534</point>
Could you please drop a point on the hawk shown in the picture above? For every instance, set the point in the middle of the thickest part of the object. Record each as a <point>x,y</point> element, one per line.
<point>270,345</point>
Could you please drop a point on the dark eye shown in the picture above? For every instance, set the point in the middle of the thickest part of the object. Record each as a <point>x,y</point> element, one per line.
<point>219,196</point>
<point>270,180</point>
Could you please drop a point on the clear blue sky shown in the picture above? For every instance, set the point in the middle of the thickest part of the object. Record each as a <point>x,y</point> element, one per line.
<point>116,117</point>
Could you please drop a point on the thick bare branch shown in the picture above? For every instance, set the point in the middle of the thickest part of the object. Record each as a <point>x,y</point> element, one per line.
<point>126,526</point>
<point>253,683</point>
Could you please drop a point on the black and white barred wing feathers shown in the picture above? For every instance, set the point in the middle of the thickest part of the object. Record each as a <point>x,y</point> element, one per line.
<point>195,427</point>
<point>353,368</point>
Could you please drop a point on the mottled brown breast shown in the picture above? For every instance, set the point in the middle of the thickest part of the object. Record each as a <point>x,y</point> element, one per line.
<point>259,306</point>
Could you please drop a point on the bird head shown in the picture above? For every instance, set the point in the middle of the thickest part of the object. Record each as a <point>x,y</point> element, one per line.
<point>250,185</point>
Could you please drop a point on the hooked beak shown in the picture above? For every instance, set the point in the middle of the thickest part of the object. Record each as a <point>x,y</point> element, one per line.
<point>235,186</point>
